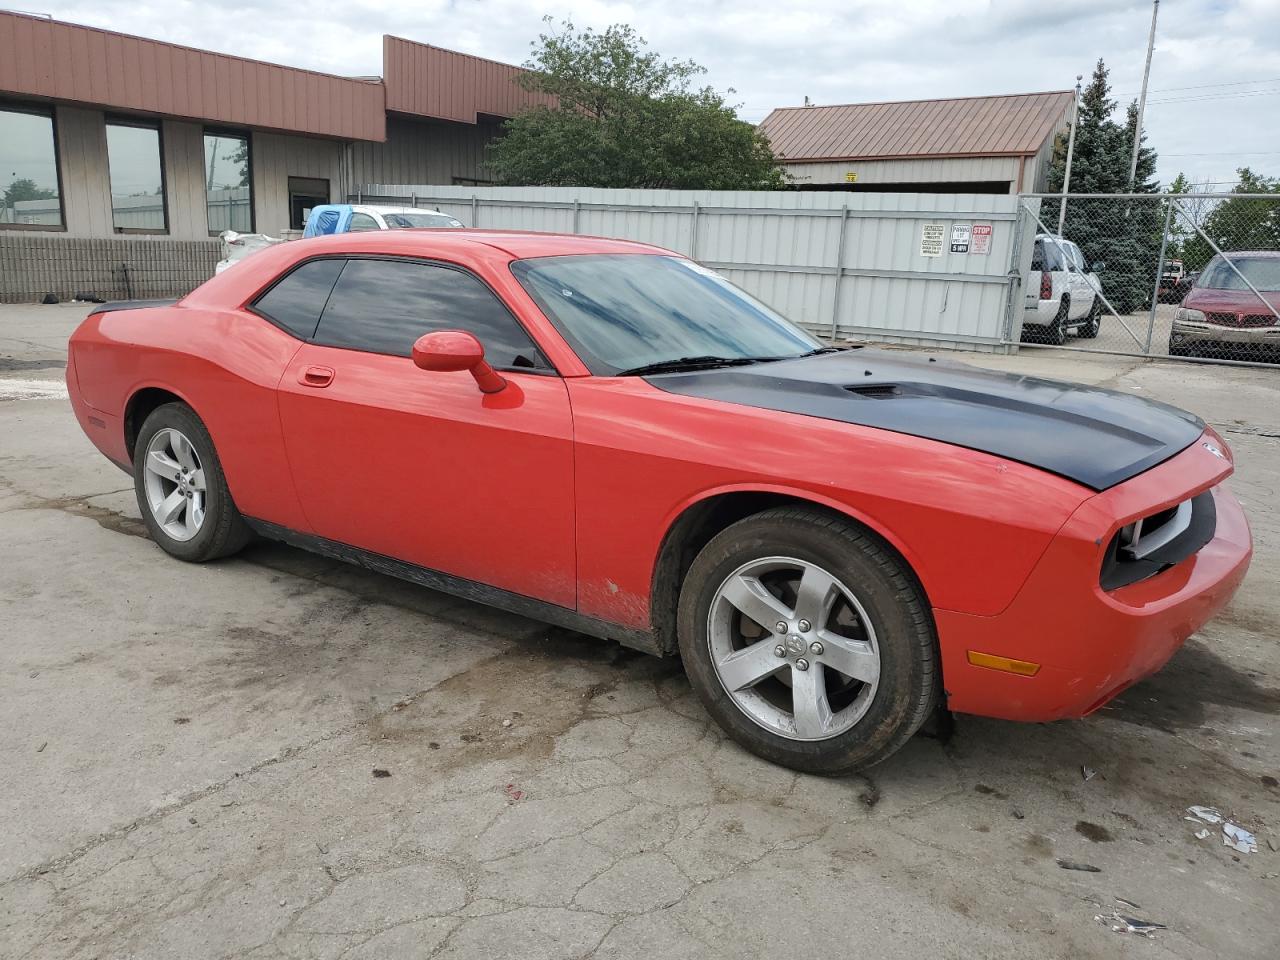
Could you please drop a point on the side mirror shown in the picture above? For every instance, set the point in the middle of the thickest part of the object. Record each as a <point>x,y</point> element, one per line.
<point>1098,266</point>
<point>448,351</point>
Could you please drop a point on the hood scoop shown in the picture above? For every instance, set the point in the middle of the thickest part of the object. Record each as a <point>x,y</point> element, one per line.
<point>877,391</point>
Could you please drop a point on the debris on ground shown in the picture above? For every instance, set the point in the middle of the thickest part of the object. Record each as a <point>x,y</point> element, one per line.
<point>1239,839</point>
<point>1018,814</point>
<point>513,794</point>
<point>40,749</point>
<point>1073,865</point>
<point>181,720</point>
<point>1275,847</point>
<point>1207,814</point>
<point>379,772</point>
<point>1128,903</point>
<point>1119,923</point>
<point>506,723</point>
<point>1233,835</point>
<point>1088,773</point>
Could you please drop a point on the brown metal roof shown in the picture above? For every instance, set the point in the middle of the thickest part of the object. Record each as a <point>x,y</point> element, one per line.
<point>1015,125</point>
<point>429,81</point>
<point>65,61</point>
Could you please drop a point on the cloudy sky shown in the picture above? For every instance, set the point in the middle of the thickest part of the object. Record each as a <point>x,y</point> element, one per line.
<point>1215,77</point>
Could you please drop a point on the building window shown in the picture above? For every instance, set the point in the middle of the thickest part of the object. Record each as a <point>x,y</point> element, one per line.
<point>228,179</point>
<point>137,178</point>
<point>29,194</point>
<point>305,193</point>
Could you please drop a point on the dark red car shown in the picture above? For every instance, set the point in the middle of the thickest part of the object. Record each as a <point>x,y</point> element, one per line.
<point>609,437</point>
<point>1222,313</point>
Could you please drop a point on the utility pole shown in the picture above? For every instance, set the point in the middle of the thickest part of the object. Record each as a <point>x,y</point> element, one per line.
<point>1071,149</point>
<point>1142,100</point>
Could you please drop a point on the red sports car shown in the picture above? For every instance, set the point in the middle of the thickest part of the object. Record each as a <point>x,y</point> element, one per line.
<point>609,437</point>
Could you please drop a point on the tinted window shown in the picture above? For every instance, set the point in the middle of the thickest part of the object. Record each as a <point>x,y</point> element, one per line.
<point>383,306</point>
<point>28,170</point>
<point>362,221</point>
<point>296,302</point>
<point>1050,255</point>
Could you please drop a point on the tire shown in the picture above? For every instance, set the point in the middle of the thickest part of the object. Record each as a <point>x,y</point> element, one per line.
<point>181,489</point>
<point>874,620</point>
<point>1090,329</point>
<point>1056,332</point>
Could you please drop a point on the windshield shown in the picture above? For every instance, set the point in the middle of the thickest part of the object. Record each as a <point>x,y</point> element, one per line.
<point>420,220</point>
<point>621,311</point>
<point>1262,272</point>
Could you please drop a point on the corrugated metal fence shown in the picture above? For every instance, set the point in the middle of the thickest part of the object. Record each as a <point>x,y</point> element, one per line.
<point>929,269</point>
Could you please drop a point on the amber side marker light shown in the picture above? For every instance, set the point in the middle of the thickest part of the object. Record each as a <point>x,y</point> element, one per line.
<point>1023,668</point>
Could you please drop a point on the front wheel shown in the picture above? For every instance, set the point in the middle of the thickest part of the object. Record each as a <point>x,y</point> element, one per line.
<point>182,492</point>
<point>808,642</point>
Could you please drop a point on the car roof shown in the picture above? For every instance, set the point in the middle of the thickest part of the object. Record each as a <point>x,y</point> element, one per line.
<point>1259,254</point>
<point>377,208</point>
<point>516,243</point>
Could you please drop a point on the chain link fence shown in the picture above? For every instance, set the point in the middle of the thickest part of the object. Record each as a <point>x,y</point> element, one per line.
<point>1195,276</point>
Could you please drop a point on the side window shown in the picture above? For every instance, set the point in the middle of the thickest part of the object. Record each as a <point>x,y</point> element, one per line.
<point>383,306</point>
<point>362,221</point>
<point>296,302</point>
<point>1037,256</point>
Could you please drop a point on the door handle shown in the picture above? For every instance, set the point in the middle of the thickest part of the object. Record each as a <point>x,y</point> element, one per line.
<point>316,376</point>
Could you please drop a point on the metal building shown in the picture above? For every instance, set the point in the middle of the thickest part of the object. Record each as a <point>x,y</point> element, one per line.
<point>153,147</point>
<point>963,145</point>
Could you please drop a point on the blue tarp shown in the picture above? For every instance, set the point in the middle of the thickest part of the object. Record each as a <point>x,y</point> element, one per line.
<point>328,218</point>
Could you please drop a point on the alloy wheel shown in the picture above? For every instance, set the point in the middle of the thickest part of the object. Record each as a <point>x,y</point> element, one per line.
<point>794,648</point>
<point>174,482</point>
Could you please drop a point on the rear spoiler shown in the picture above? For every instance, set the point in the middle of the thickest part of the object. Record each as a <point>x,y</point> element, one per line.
<point>130,305</point>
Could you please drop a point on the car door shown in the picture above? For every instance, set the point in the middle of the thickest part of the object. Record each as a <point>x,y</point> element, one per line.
<point>421,466</point>
<point>1082,292</point>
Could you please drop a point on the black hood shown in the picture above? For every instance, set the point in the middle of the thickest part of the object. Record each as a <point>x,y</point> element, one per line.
<point>1095,437</point>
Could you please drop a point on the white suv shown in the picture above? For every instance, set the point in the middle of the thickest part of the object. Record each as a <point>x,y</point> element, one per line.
<point>1062,293</point>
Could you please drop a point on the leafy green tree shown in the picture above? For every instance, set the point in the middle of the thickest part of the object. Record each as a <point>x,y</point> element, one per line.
<point>1125,236</point>
<point>1239,223</point>
<point>25,188</point>
<point>624,117</point>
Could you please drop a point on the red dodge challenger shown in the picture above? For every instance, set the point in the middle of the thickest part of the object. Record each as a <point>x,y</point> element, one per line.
<point>607,436</point>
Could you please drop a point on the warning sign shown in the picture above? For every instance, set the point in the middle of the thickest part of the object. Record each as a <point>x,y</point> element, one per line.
<point>960,238</point>
<point>931,236</point>
<point>981,239</point>
<point>850,176</point>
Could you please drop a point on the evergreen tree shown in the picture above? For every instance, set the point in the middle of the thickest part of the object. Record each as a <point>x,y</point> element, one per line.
<point>1122,235</point>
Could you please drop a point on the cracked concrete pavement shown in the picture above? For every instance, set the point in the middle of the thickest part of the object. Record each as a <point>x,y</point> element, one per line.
<point>189,758</point>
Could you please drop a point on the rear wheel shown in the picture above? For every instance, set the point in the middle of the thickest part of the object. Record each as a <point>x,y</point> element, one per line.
<point>1091,325</point>
<point>182,492</point>
<point>809,643</point>
<point>1056,332</point>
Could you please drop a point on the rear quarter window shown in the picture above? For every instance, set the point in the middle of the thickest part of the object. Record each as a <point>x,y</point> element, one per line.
<point>295,302</point>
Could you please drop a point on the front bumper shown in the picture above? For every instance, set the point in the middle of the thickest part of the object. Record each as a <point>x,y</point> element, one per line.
<point>1190,331</point>
<point>1091,644</point>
